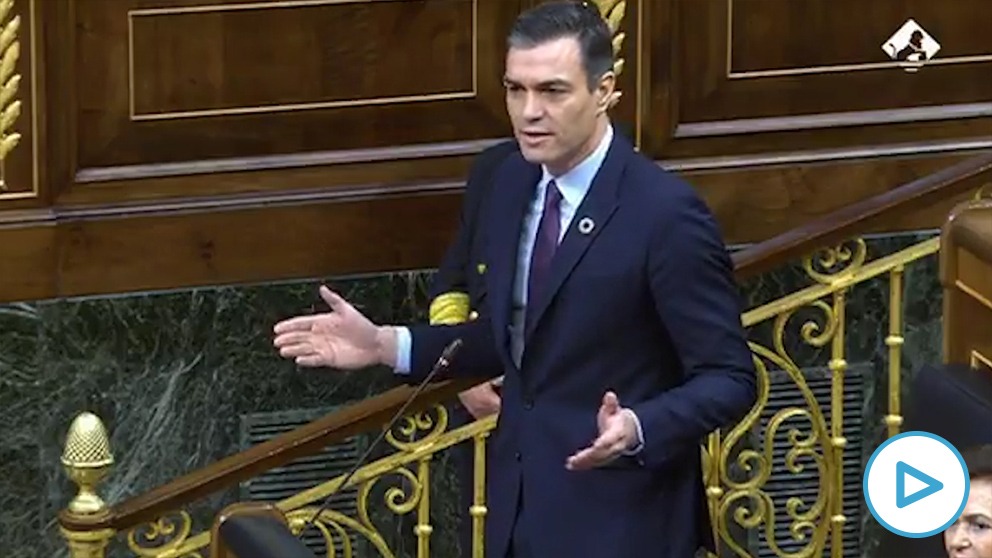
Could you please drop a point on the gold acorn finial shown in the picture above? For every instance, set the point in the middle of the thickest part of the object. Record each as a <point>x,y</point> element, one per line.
<point>87,460</point>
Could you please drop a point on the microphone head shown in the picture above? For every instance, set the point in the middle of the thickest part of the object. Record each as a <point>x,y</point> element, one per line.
<point>449,352</point>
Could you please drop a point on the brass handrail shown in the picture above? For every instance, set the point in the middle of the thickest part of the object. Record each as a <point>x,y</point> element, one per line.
<point>374,412</point>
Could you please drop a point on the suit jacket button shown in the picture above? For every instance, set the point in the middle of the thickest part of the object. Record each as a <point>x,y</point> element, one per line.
<point>528,404</point>
<point>517,456</point>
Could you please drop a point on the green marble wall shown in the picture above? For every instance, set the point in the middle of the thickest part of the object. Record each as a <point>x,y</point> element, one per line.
<point>171,375</point>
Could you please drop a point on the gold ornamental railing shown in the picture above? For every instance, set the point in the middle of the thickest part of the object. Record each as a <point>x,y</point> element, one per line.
<point>744,502</point>
<point>735,502</point>
<point>737,463</point>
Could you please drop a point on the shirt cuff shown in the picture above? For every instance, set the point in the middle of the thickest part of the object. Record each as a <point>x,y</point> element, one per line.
<point>640,435</point>
<point>403,346</point>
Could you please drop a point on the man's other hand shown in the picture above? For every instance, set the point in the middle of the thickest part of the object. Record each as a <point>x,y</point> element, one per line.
<point>617,434</point>
<point>481,401</point>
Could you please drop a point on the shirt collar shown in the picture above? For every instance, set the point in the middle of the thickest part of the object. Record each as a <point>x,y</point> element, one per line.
<point>575,183</point>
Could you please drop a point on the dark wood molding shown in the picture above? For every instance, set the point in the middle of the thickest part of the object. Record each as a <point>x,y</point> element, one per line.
<point>962,146</point>
<point>289,161</point>
<point>832,120</point>
<point>66,250</point>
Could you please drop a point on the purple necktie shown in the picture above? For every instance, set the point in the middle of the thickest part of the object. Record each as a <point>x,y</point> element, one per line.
<point>544,245</point>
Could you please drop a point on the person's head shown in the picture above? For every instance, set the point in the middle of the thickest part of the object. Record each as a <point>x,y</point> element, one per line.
<point>559,81</point>
<point>971,535</point>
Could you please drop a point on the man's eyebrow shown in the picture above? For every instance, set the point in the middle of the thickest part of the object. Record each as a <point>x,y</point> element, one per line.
<point>557,82</point>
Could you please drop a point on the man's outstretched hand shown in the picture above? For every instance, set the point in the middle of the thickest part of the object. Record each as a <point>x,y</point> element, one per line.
<point>617,434</point>
<point>342,338</point>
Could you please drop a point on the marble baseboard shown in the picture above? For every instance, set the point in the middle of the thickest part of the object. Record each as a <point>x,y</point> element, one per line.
<point>173,374</point>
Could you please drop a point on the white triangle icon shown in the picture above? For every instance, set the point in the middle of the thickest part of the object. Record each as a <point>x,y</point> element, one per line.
<point>914,485</point>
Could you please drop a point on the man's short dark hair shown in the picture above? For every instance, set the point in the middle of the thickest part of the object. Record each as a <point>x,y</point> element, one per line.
<point>979,461</point>
<point>561,19</point>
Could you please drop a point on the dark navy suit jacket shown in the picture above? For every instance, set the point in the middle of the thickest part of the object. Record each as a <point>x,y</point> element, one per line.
<point>645,304</point>
<point>459,270</point>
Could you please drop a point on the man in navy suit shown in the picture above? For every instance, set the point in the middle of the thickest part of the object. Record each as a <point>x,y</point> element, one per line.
<point>457,294</point>
<point>611,309</point>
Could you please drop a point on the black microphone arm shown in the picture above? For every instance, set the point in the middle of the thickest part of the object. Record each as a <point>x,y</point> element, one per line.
<point>443,362</point>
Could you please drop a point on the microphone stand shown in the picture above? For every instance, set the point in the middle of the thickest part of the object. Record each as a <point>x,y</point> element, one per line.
<point>443,362</point>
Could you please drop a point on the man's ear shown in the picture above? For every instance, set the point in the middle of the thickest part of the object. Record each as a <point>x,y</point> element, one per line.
<point>606,90</point>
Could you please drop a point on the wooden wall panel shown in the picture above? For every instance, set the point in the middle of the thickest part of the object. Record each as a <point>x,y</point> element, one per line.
<point>764,75</point>
<point>250,140</point>
<point>191,88</point>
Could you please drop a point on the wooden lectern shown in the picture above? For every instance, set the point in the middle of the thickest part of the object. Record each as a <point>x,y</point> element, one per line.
<point>966,278</point>
<point>254,530</point>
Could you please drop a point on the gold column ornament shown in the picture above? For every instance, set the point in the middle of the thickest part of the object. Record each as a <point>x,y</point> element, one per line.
<point>613,12</point>
<point>10,108</point>
<point>87,461</point>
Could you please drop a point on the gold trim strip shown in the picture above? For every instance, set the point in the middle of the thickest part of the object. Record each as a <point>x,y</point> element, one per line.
<point>285,107</point>
<point>973,293</point>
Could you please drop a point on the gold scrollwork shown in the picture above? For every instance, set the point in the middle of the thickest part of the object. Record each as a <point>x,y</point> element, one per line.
<point>165,534</point>
<point>752,505</point>
<point>333,527</point>
<point>10,107</point>
<point>419,429</point>
<point>829,264</point>
<point>397,499</point>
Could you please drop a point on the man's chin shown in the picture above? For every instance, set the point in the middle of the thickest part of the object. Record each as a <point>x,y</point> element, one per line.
<point>535,156</point>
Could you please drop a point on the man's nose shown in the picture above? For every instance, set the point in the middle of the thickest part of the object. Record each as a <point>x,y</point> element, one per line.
<point>533,107</point>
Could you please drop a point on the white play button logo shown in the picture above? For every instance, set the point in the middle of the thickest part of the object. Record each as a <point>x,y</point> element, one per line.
<point>916,484</point>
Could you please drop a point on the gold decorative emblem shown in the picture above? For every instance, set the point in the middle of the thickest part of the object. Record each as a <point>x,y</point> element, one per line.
<point>449,308</point>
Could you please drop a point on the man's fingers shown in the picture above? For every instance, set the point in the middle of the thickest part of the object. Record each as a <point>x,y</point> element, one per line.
<point>610,439</point>
<point>311,361</point>
<point>607,447</point>
<point>333,299</point>
<point>611,402</point>
<point>292,338</point>
<point>296,350</point>
<point>299,323</point>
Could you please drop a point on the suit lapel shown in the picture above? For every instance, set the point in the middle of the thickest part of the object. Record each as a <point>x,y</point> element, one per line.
<point>514,190</point>
<point>590,218</point>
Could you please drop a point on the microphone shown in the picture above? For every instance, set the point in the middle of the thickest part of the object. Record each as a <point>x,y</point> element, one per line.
<point>443,362</point>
